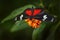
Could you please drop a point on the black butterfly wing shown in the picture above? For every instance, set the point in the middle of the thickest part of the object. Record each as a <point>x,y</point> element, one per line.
<point>48,18</point>
<point>45,17</point>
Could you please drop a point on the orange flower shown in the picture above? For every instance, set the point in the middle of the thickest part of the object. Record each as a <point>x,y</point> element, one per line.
<point>34,23</point>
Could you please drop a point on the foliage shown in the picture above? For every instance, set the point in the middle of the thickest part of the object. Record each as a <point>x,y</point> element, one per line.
<point>19,30</point>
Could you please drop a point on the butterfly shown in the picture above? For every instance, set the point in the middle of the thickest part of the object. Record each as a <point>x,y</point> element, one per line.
<point>35,14</point>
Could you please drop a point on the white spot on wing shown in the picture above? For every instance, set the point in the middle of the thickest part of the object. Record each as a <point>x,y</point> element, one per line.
<point>44,17</point>
<point>15,18</point>
<point>52,20</point>
<point>21,17</point>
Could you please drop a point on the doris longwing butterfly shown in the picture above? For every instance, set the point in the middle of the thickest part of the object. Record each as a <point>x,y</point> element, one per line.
<point>34,17</point>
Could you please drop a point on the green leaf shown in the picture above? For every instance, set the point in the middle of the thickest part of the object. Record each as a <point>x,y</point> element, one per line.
<point>41,5</point>
<point>38,31</point>
<point>19,25</point>
<point>52,31</point>
<point>16,12</point>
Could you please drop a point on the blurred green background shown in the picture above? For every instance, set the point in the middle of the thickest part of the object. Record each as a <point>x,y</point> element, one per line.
<point>50,32</point>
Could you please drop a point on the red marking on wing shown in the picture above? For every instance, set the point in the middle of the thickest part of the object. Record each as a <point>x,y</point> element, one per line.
<point>29,12</point>
<point>36,11</point>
